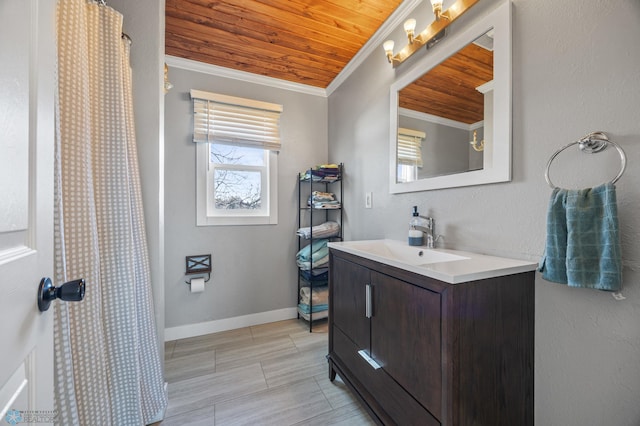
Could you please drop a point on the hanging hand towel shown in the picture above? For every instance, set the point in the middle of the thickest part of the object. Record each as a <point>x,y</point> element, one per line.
<point>583,243</point>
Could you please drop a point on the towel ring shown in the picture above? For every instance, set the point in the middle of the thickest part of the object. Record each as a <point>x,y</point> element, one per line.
<point>590,144</point>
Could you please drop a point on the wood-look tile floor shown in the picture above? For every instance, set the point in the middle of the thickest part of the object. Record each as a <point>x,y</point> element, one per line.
<point>271,374</point>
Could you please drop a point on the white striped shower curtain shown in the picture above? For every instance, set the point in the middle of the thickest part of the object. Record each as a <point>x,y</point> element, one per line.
<point>107,363</point>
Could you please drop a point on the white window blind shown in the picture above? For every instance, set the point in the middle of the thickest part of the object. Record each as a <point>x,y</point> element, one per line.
<point>410,147</point>
<point>237,121</point>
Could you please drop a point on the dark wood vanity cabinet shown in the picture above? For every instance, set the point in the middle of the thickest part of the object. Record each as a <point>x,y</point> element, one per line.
<point>424,352</point>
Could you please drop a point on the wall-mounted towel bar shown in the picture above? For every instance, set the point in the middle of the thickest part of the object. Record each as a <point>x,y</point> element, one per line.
<point>590,144</point>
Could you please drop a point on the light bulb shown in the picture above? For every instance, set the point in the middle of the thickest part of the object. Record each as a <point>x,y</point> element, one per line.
<point>409,28</point>
<point>410,25</point>
<point>388,49</point>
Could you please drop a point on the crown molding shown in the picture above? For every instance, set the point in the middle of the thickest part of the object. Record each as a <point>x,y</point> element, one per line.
<point>393,21</point>
<point>438,120</point>
<point>196,66</point>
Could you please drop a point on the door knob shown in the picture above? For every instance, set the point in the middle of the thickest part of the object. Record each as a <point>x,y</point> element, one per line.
<point>72,291</point>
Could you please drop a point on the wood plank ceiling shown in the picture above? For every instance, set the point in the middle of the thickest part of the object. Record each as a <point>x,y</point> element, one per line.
<point>303,41</point>
<point>449,89</point>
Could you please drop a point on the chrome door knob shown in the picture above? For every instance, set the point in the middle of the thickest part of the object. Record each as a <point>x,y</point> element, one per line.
<point>71,291</point>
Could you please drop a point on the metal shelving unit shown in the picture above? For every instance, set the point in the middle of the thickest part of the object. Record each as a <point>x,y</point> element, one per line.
<point>310,216</point>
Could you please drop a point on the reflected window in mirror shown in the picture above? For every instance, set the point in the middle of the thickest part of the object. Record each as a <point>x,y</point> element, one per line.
<point>410,157</point>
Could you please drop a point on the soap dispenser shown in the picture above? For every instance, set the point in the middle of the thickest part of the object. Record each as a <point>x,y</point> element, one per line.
<point>415,234</point>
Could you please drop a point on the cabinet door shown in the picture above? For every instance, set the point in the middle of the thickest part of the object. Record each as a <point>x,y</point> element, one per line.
<point>348,285</point>
<point>406,338</point>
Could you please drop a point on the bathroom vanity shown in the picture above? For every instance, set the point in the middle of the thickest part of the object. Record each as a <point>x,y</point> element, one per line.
<point>432,337</point>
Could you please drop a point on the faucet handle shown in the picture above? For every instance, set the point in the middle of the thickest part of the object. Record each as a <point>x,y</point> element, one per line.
<point>432,240</point>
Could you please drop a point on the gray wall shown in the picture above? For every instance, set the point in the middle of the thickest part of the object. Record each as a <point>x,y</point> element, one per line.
<point>576,69</point>
<point>253,266</point>
<point>144,23</point>
<point>445,150</point>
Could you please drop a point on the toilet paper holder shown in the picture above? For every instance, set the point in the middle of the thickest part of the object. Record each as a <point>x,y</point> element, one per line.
<point>199,264</point>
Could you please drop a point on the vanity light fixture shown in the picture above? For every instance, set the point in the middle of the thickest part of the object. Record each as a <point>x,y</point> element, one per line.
<point>434,32</point>
<point>474,143</point>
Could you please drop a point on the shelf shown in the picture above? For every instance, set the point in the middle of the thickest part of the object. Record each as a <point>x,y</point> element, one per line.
<point>310,220</point>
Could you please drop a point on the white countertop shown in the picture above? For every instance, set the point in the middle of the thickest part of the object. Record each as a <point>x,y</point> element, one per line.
<point>451,266</point>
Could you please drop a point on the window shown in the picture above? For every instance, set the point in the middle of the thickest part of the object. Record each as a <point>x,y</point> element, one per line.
<point>238,141</point>
<point>409,154</point>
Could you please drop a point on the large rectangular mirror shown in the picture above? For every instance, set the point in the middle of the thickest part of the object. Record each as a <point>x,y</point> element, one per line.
<point>451,113</point>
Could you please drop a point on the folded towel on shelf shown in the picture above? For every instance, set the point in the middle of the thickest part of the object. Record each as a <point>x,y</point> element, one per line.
<point>322,173</point>
<point>316,308</point>
<point>319,295</point>
<point>304,282</point>
<point>583,242</point>
<point>322,196</point>
<point>306,265</point>
<point>314,251</point>
<point>323,200</point>
<point>315,315</point>
<point>316,276</point>
<point>326,205</point>
<point>324,230</point>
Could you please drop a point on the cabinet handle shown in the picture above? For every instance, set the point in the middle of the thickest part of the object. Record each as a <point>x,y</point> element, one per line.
<point>367,295</point>
<point>370,360</point>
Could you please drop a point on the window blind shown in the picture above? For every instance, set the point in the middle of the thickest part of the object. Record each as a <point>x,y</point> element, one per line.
<point>410,147</point>
<point>235,121</point>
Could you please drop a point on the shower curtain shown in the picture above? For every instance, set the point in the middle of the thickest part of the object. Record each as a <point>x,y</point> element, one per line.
<point>107,363</point>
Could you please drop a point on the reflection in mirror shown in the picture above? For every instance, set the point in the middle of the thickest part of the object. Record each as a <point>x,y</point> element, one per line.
<point>447,106</point>
<point>457,97</point>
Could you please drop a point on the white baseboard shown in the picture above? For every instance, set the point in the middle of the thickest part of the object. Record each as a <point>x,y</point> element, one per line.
<point>199,329</point>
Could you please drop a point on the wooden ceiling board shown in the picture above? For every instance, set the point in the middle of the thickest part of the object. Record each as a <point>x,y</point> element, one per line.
<point>259,60</point>
<point>241,21</point>
<point>237,44</point>
<point>303,41</point>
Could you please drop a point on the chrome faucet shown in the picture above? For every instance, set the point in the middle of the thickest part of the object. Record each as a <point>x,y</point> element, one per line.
<point>429,231</point>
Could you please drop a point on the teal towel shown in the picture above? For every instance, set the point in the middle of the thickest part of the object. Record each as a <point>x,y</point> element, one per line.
<point>583,242</point>
<point>314,251</point>
<point>316,308</point>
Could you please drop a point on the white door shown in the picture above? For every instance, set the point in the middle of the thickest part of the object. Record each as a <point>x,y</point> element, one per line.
<point>27,127</point>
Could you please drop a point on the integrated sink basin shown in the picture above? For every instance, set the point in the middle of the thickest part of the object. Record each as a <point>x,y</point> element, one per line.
<point>451,266</point>
<point>402,252</point>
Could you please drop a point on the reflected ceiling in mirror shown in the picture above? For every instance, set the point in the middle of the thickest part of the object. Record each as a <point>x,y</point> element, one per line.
<point>459,98</point>
<point>449,90</point>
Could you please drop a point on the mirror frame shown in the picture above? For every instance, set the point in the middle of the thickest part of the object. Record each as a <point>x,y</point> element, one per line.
<point>497,167</point>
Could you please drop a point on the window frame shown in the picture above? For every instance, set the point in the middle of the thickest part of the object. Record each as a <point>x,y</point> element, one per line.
<point>204,172</point>
<point>268,141</point>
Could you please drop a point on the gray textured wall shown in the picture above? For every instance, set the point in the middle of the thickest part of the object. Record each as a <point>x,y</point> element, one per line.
<point>253,266</point>
<point>576,69</point>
